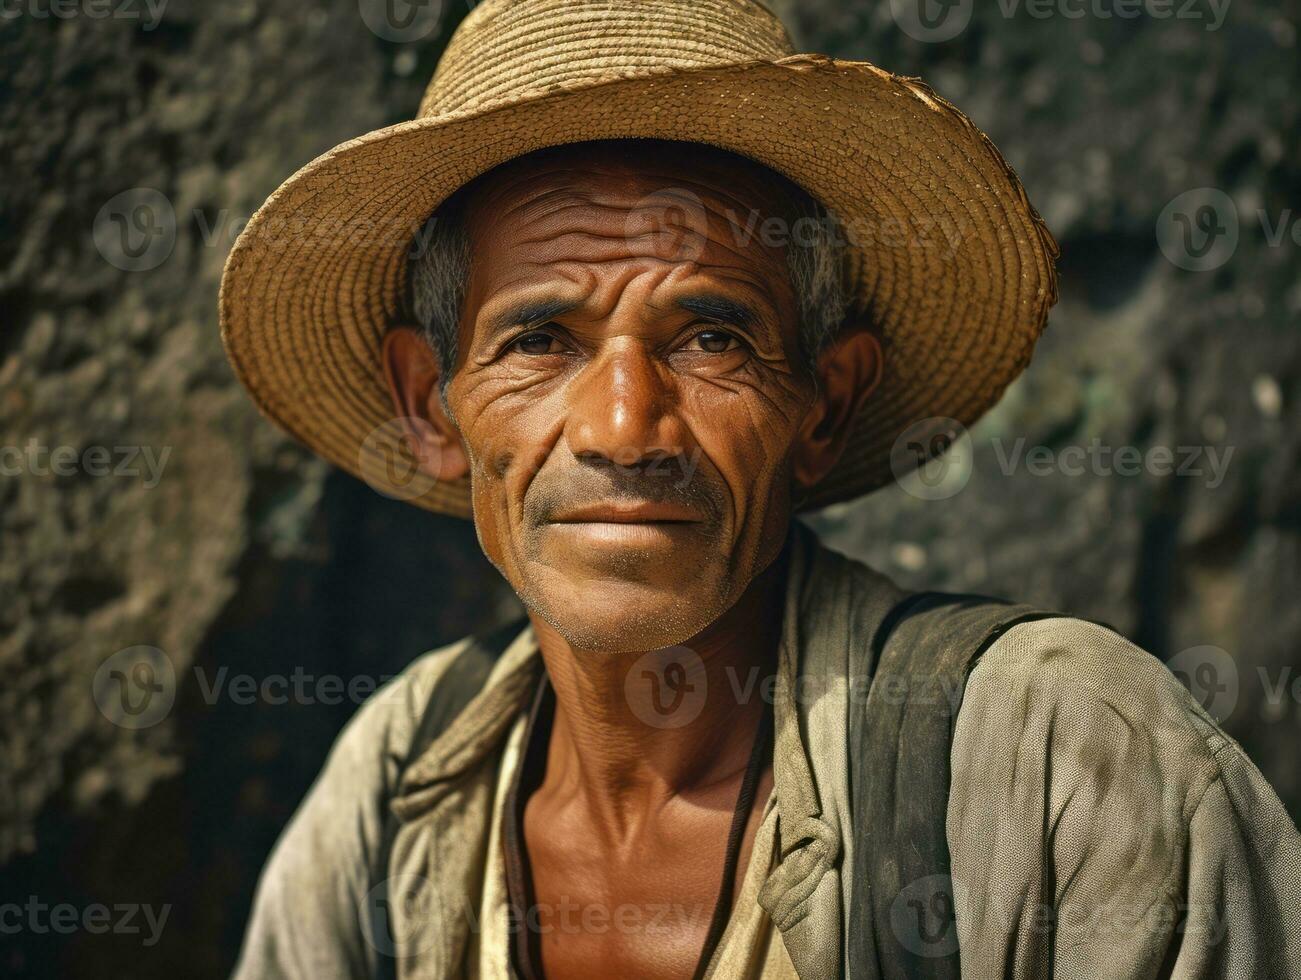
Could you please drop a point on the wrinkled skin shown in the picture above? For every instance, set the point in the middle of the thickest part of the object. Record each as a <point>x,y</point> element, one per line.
<point>630,403</point>
<point>627,397</point>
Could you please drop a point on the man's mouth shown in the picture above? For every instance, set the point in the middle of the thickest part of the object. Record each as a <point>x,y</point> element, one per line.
<point>628,512</point>
<point>627,526</point>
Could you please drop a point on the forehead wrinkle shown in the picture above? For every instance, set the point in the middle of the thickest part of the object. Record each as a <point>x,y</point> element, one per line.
<point>590,205</point>
<point>576,267</point>
<point>765,315</point>
<point>579,212</point>
<point>608,300</point>
<point>657,288</point>
<point>594,236</point>
<point>582,284</point>
<point>717,252</point>
<point>722,209</point>
<point>597,248</point>
<point>540,210</point>
<point>517,287</point>
<point>678,276</point>
<point>737,190</point>
<point>725,278</point>
<point>545,205</point>
<point>586,216</point>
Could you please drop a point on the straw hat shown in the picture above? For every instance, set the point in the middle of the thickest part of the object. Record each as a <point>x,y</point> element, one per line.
<point>947,256</point>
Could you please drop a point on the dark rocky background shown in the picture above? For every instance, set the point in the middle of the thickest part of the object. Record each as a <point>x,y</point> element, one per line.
<point>250,556</point>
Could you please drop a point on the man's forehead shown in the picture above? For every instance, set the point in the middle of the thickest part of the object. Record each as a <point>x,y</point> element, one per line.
<point>541,226</point>
<point>620,173</point>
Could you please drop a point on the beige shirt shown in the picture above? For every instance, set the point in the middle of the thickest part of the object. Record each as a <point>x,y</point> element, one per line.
<point>1100,824</point>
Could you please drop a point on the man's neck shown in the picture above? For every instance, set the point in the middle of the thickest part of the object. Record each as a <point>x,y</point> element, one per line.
<point>613,742</point>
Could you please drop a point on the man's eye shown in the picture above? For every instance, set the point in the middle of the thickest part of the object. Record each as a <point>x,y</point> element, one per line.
<point>716,341</point>
<point>537,343</point>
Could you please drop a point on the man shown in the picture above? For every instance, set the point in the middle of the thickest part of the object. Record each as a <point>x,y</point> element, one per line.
<point>678,285</point>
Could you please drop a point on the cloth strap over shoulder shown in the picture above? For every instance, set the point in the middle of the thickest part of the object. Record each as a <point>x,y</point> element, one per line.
<point>455,689</point>
<point>901,913</point>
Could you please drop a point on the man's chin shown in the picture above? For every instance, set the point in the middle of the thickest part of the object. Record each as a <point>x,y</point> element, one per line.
<point>618,615</point>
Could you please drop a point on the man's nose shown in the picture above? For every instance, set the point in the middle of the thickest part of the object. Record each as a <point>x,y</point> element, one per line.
<point>621,408</point>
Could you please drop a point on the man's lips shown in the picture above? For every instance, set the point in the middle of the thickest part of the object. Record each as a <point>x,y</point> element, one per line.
<point>628,512</point>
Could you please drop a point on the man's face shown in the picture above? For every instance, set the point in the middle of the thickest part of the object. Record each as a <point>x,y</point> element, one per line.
<point>628,392</point>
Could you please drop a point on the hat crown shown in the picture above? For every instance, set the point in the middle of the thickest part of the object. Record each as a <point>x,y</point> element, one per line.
<point>505,48</point>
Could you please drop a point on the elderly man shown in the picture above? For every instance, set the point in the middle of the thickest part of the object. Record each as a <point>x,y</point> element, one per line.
<point>678,285</point>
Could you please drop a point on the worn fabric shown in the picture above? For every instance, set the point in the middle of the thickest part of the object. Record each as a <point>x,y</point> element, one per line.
<point>1100,824</point>
<point>751,947</point>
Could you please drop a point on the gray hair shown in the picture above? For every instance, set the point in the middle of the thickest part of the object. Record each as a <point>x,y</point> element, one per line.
<point>440,267</point>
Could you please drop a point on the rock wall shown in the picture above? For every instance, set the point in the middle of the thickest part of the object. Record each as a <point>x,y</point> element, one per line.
<point>145,504</point>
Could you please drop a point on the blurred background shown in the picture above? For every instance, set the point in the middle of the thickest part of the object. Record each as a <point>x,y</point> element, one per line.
<point>144,503</point>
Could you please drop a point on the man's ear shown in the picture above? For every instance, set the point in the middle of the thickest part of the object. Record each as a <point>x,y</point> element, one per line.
<point>412,371</point>
<point>848,372</point>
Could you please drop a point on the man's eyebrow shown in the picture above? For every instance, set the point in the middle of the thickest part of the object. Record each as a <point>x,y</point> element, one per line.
<point>721,308</point>
<point>529,313</point>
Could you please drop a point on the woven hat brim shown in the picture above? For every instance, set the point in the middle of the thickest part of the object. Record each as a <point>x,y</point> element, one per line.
<point>947,256</point>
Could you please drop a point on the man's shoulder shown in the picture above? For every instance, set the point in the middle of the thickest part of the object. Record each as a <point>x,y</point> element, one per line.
<point>384,725</point>
<point>1060,660</point>
<point>413,708</point>
<point>1041,669</point>
<point>1083,767</point>
<point>1084,694</point>
<point>318,878</point>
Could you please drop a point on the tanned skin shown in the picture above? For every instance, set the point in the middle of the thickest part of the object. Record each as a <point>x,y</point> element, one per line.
<point>634,463</point>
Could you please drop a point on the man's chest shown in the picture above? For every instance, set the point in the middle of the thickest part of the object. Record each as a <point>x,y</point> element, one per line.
<point>647,906</point>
